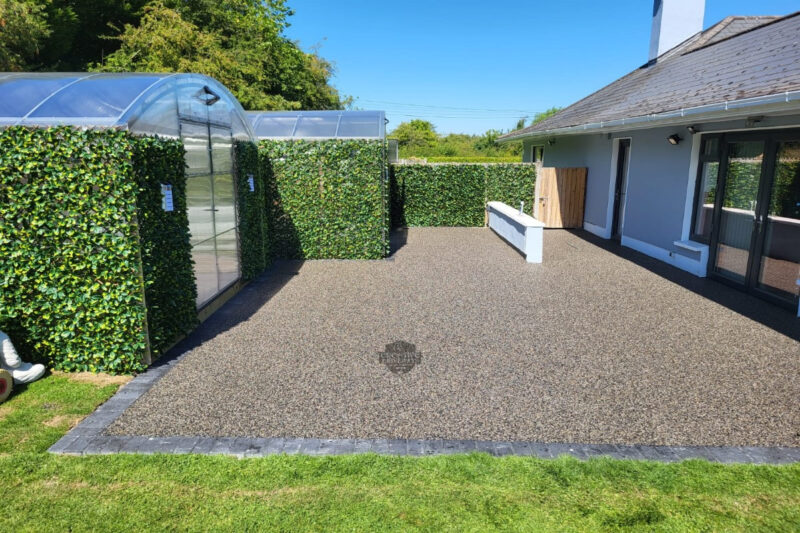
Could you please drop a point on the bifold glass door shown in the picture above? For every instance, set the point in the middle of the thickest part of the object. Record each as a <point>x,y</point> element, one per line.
<point>737,216</point>
<point>779,264</point>
<point>210,198</point>
<point>756,236</point>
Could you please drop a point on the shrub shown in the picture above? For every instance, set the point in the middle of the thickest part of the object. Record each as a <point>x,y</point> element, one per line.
<point>455,194</point>
<point>84,243</point>
<point>326,199</point>
<point>253,235</point>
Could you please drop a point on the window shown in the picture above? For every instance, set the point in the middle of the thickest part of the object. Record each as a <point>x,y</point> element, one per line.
<point>537,154</point>
<point>706,191</point>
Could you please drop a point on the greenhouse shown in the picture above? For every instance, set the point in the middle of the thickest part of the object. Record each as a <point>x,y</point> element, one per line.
<point>121,212</point>
<point>318,125</point>
<point>195,108</point>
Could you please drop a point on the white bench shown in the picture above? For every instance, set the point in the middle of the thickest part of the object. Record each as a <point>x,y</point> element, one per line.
<point>522,231</point>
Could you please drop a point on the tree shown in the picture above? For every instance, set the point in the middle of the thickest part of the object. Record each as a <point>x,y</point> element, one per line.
<point>538,117</point>
<point>82,31</point>
<point>415,134</point>
<point>23,29</point>
<point>418,138</point>
<point>488,140</point>
<point>239,42</point>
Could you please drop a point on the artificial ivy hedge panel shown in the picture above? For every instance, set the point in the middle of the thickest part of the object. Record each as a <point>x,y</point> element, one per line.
<point>438,195</point>
<point>170,290</point>
<point>69,248</point>
<point>455,194</point>
<point>83,242</point>
<point>511,184</point>
<point>253,235</point>
<point>326,199</point>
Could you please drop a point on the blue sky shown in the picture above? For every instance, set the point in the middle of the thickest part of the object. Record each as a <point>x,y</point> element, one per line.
<point>469,66</point>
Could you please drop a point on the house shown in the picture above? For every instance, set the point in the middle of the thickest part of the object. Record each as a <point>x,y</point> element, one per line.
<point>694,157</point>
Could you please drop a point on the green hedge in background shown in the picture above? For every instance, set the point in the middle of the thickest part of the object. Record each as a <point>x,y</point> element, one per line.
<point>253,234</point>
<point>472,159</point>
<point>326,199</point>
<point>455,194</point>
<point>84,242</point>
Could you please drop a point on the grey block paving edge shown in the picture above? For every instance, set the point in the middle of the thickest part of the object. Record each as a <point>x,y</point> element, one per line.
<point>87,438</point>
<point>261,447</point>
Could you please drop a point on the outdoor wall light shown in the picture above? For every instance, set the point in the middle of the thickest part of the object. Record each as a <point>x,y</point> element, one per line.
<point>674,139</point>
<point>752,122</point>
<point>551,142</point>
<point>691,129</point>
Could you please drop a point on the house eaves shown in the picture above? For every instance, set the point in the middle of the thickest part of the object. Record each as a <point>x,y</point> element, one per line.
<point>730,109</point>
<point>741,62</point>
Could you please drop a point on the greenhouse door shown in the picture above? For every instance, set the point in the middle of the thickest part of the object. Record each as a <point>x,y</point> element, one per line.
<point>210,199</point>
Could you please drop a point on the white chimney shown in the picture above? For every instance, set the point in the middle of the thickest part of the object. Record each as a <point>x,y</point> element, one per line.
<point>674,21</point>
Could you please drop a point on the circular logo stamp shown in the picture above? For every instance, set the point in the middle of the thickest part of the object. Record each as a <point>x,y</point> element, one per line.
<point>400,357</point>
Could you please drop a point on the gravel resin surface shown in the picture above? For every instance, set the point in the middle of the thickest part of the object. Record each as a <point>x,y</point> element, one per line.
<point>599,344</point>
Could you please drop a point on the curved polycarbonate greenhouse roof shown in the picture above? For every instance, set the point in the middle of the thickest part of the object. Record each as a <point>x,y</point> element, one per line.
<point>318,124</point>
<point>143,103</point>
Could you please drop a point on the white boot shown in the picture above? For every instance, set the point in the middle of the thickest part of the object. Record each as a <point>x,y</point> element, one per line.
<point>9,360</point>
<point>27,373</point>
<point>8,355</point>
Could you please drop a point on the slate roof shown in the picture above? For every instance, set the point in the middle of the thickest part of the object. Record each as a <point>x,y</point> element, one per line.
<point>737,58</point>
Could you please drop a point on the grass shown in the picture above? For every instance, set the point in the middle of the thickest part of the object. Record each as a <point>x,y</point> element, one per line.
<point>39,414</point>
<point>473,492</point>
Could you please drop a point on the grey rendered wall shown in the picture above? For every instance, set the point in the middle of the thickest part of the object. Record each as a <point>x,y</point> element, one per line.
<point>657,180</point>
<point>594,153</point>
<point>657,184</point>
<point>659,177</point>
<point>526,152</point>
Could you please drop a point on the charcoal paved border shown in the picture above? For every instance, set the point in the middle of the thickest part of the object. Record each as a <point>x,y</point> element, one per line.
<point>88,439</point>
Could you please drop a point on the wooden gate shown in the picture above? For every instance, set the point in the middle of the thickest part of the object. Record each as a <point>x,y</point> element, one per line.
<point>561,193</point>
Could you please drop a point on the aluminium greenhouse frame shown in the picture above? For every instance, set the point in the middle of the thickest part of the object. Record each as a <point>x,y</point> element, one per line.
<point>318,125</point>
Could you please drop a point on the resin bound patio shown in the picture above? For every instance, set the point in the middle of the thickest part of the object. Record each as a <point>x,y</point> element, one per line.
<point>599,345</point>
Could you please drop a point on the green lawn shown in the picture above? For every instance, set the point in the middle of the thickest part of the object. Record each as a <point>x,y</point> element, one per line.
<point>36,416</point>
<point>40,492</point>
